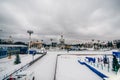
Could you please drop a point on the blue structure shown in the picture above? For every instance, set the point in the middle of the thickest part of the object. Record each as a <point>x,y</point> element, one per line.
<point>90,59</point>
<point>13,49</point>
<point>103,76</point>
<point>117,54</point>
<point>3,53</point>
<point>33,52</point>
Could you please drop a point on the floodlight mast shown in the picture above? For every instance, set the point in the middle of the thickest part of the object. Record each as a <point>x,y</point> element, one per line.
<point>29,32</point>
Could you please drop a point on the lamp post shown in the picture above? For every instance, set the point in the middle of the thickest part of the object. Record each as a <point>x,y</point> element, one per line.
<point>0,39</point>
<point>29,32</point>
<point>93,43</point>
<point>51,41</point>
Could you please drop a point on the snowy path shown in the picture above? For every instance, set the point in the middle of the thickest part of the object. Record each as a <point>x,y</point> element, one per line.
<point>69,69</point>
<point>44,68</point>
<point>7,65</point>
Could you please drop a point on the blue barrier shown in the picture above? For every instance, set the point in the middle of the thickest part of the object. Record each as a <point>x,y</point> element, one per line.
<point>83,63</point>
<point>90,59</point>
<point>117,54</point>
<point>3,53</point>
<point>33,52</point>
<point>93,69</point>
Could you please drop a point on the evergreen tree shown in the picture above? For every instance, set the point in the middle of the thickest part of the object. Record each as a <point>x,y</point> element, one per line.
<point>115,64</point>
<point>17,60</point>
<point>118,45</point>
<point>110,44</point>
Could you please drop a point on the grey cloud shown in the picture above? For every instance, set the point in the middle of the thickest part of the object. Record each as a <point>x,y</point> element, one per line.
<point>76,19</point>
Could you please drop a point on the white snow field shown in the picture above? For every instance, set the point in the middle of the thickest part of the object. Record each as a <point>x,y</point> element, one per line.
<point>7,66</point>
<point>44,68</point>
<point>69,69</point>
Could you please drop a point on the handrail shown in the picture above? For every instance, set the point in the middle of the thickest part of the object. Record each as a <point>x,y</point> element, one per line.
<point>56,67</point>
<point>23,67</point>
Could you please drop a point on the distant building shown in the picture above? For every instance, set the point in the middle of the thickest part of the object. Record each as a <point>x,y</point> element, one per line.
<point>54,44</point>
<point>62,42</point>
<point>6,41</point>
<point>8,49</point>
<point>36,44</point>
<point>115,42</point>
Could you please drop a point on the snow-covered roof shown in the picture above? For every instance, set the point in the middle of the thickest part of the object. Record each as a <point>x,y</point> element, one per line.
<point>4,45</point>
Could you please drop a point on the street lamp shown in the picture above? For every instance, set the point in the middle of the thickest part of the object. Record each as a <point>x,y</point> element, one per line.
<point>0,39</point>
<point>93,43</point>
<point>29,32</point>
<point>51,41</point>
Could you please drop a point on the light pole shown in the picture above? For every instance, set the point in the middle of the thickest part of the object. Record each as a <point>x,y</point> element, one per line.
<point>29,32</point>
<point>93,43</point>
<point>0,39</point>
<point>51,41</point>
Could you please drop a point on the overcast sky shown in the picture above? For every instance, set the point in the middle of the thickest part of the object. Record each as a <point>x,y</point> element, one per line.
<point>75,19</point>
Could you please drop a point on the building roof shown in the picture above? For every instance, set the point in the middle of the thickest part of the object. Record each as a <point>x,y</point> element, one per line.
<point>9,45</point>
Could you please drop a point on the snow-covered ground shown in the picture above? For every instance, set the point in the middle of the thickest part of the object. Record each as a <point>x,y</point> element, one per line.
<point>68,67</point>
<point>44,68</point>
<point>7,66</point>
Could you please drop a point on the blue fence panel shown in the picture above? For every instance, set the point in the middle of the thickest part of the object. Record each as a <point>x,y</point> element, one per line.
<point>3,53</point>
<point>33,52</point>
<point>23,50</point>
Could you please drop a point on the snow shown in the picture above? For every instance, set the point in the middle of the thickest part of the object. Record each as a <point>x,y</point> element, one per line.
<point>44,69</point>
<point>68,67</point>
<point>7,66</point>
<point>112,75</point>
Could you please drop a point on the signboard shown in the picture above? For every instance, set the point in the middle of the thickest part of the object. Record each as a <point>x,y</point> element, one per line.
<point>33,52</point>
<point>117,54</point>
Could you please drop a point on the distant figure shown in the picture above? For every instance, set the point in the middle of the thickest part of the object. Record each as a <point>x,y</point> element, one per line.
<point>99,60</point>
<point>94,60</point>
<point>105,60</point>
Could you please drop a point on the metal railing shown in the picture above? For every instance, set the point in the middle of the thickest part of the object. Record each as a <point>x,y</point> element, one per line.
<point>56,67</point>
<point>24,67</point>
